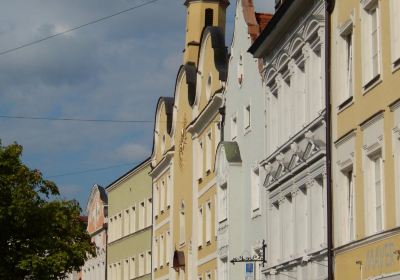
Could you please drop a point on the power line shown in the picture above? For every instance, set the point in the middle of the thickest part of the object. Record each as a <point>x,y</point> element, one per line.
<point>77,27</point>
<point>74,119</point>
<point>90,170</point>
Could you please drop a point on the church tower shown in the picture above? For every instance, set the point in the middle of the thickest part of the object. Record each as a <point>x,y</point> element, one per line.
<point>200,14</point>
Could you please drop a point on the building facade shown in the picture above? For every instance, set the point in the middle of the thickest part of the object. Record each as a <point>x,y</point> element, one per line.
<point>241,220</point>
<point>130,225</point>
<point>292,47</point>
<point>187,131</point>
<point>365,130</point>
<point>96,209</point>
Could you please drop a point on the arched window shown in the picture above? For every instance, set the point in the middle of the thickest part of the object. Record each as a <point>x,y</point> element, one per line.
<point>208,19</point>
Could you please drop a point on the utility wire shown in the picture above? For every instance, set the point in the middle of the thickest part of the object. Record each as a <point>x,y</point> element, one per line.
<point>89,170</point>
<point>74,119</point>
<point>77,27</point>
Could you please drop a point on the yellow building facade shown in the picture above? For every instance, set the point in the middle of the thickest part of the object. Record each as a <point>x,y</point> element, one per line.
<point>365,129</point>
<point>186,134</point>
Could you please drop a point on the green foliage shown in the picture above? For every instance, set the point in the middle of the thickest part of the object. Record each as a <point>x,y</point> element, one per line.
<point>41,236</point>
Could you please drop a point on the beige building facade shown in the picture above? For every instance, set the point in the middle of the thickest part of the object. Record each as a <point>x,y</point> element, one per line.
<point>365,130</point>
<point>186,134</point>
<point>130,199</point>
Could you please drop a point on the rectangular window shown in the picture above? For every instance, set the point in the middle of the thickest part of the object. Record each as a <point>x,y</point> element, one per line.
<point>208,152</point>
<point>223,203</point>
<point>182,226</point>
<point>120,226</point>
<point>247,117</point>
<point>350,204</point>
<point>377,163</point>
<point>126,269</point>
<point>132,268</point>
<point>347,40</point>
<point>208,222</point>
<point>149,213</point>
<point>395,31</point>
<point>126,222</point>
<point>155,252</point>
<point>217,135</point>
<point>200,229</point>
<point>148,262</point>
<point>287,227</point>
<point>200,161</point>
<point>162,196</point>
<point>370,43</point>
<point>234,127</point>
<point>162,244</point>
<point>168,247</point>
<point>141,215</point>
<point>156,200</point>
<point>141,264</point>
<point>132,223</point>
<point>169,191</point>
<point>255,190</point>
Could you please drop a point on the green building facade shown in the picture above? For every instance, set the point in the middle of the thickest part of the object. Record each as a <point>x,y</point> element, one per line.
<point>130,225</point>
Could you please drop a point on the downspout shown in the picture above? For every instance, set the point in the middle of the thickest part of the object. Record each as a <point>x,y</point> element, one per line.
<point>328,10</point>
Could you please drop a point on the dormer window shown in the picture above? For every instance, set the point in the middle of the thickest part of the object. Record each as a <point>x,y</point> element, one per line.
<point>208,19</point>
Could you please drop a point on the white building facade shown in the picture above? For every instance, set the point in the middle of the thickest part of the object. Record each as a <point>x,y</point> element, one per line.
<point>241,220</point>
<point>294,168</point>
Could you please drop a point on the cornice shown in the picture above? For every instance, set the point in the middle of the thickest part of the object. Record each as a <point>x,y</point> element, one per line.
<point>162,164</point>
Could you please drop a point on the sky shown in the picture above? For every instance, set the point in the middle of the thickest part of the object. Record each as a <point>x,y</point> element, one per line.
<point>115,69</point>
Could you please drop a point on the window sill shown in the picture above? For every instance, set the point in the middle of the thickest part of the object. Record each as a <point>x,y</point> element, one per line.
<point>372,84</point>
<point>345,104</point>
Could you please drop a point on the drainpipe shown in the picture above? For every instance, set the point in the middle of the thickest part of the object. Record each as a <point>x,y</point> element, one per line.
<point>329,9</point>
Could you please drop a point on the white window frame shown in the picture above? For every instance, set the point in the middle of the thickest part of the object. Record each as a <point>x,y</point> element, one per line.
<point>200,159</point>
<point>141,264</point>
<point>142,217</point>
<point>156,203</point>
<point>169,190</point>
<point>155,252</point>
<point>369,77</point>
<point>126,222</point>
<point>200,223</point>
<point>255,191</point>
<point>126,269</point>
<point>162,251</point>
<point>162,196</point>
<point>234,126</point>
<point>347,60</point>
<point>208,151</point>
<point>208,222</point>
<point>247,118</point>
<point>395,33</point>
<point>149,212</point>
<point>132,268</point>
<point>132,217</point>
<point>168,247</point>
<point>148,262</point>
<point>223,203</point>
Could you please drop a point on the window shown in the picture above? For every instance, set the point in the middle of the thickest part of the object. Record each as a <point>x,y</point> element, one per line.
<point>287,227</point>
<point>234,127</point>
<point>169,191</point>
<point>162,244</point>
<point>148,262</point>
<point>274,237</point>
<point>247,117</point>
<point>141,264</point>
<point>371,47</point>
<point>347,64</point>
<point>208,152</point>
<point>377,181</point>
<point>395,29</point>
<point>126,222</point>
<point>111,229</point>
<point>119,271</point>
<point>208,222</point>
<point>182,224</point>
<point>156,200</point>
<point>132,268</point>
<point>168,247</point>
<point>223,203</point>
<point>200,160</point>
<point>217,135</point>
<point>155,252</point>
<point>350,197</point>
<point>200,229</point>
<point>120,226</point>
<point>149,208</point>
<point>126,269</point>
<point>132,223</point>
<point>301,220</point>
<point>141,215</point>
<point>208,19</point>
<point>163,144</point>
<point>240,70</point>
<point>255,190</point>
<point>208,276</point>
<point>162,196</point>
<point>208,87</point>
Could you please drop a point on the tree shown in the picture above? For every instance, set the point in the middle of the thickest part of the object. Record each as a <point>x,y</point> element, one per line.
<point>41,235</point>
